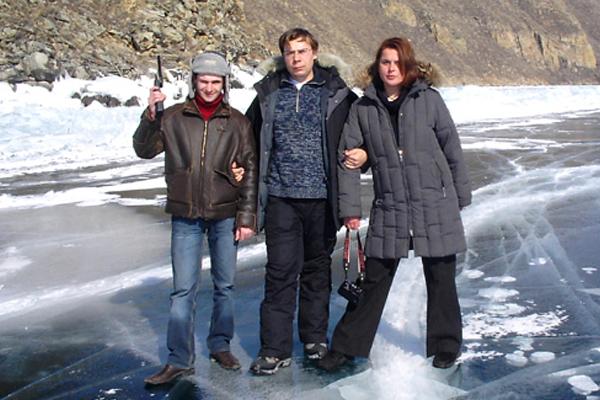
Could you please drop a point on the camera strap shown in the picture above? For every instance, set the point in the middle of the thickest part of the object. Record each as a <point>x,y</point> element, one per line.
<point>360,262</point>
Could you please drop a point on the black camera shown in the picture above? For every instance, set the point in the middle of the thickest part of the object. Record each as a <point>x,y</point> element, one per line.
<point>351,291</point>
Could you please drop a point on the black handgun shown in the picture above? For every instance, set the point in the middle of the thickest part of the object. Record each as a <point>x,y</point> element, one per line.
<point>158,82</point>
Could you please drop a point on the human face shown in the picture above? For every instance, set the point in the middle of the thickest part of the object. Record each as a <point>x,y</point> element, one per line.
<point>299,60</point>
<point>389,70</point>
<point>209,87</point>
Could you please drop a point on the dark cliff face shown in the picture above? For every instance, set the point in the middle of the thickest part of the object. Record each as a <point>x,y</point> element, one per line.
<point>471,41</point>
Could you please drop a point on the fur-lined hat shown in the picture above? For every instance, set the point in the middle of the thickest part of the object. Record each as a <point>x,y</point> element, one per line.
<point>209,63</point>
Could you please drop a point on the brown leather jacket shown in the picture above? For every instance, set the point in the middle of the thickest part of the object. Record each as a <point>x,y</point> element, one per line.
<point>198,158</point>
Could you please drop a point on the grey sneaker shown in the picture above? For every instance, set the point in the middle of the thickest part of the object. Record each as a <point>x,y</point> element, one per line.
<point>315,351</point>
<point>268,365</point>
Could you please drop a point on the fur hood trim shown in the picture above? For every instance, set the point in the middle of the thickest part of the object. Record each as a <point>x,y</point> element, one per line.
<point>325,60</point>
<point>428,72</point>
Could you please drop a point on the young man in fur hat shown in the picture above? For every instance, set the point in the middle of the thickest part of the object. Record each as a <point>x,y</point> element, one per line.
<point>203,139</point>
<point>297,116</point>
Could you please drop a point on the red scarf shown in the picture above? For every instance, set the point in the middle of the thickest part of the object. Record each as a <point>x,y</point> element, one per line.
<point>207,109</point>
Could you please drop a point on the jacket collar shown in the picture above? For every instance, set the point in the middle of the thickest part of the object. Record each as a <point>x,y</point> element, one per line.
<point>418,86</point>
<point>318,77</point>
<point>190,107</point>
<point>327,69</point>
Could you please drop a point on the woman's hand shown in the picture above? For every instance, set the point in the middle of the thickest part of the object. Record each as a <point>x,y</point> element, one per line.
<point>238,172</point>
<point>355,158</point>
<point>352,223</point>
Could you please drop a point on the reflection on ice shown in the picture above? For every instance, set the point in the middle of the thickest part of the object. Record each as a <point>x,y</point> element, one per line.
<point>12,262</point>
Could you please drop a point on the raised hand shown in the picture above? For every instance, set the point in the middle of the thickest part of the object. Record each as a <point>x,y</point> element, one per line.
<point>155,96</point>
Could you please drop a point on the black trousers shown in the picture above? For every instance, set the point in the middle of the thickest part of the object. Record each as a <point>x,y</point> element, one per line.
<point>355,332</point>
<point>300,237</point>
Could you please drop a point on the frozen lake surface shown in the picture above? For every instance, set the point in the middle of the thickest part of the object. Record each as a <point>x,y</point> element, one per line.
<point>85,274</point>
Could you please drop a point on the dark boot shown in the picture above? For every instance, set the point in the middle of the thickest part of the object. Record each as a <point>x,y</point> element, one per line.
<point>333,361</point>
<point>265,365</point>
<point>315,351</point>
<point>168,374</point>
<point>226,360</point>
<point>444,360</point>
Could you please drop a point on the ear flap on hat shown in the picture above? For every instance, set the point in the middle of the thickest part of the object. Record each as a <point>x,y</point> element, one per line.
<point>190,81</point>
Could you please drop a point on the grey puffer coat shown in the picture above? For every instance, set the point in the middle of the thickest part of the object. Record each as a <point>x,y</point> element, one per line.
<point>420,179</point>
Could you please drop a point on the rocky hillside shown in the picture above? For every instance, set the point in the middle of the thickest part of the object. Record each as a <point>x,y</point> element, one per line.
<point>42,39</point>
<point>471,41</point>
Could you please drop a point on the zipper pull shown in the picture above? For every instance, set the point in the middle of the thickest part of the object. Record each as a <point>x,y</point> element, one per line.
<point>401,154</point>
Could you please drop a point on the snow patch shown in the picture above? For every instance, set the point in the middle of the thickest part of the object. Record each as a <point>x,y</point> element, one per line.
<point>516,359</point>
<point>542,356</point>
<point>538,261</point>
<point>523,343</point>
<point>480,325</point>
<point>582,384</point>
<point>500,279</point>
<point>497,294</point>
<point>472,274</point>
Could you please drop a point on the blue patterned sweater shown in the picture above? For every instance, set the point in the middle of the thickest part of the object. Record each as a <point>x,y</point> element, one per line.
<point>296,167</point>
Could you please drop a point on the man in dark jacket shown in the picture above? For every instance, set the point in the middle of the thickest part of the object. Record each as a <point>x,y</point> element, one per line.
<point>297,115</point>
<point>203,139</point>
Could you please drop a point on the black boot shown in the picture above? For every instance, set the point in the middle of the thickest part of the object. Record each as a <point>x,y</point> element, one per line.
<point>333,361</point>
<point>444,360</point>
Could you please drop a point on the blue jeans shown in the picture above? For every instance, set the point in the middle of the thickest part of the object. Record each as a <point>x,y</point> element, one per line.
<point>186,253</point>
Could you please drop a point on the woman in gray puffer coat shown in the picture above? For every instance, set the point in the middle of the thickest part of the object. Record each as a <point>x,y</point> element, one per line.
<point>421,183</point>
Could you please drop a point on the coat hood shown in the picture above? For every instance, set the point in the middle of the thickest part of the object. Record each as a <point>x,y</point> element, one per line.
<point>428,73</point>
<point>324,60</point>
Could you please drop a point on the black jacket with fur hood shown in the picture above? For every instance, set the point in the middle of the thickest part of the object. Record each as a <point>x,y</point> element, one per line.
<point>336,101</point>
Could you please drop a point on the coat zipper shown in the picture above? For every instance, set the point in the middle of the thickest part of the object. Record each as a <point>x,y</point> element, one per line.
<point>202,157</point>
<point>204,143</point>
<point>404,180</point>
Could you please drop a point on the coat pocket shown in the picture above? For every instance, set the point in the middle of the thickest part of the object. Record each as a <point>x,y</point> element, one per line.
<point>179,186</point>
<point>229,178</point>
<point>225,190</point>
<point>443,176</point>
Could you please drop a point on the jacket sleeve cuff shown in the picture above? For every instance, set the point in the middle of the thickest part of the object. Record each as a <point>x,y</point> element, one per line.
<point>246,220</point>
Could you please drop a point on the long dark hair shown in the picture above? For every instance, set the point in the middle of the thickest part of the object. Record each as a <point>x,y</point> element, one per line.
<point>408,64</point>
